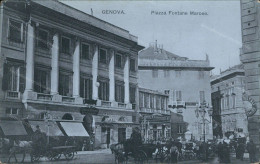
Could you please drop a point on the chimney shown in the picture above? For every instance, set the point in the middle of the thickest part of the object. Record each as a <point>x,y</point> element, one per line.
<point>91,12</point>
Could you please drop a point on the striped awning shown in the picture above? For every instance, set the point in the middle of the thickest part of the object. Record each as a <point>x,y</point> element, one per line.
<point>12,128</point>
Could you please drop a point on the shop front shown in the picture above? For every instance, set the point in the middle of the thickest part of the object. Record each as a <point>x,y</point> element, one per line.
<point>155,128</point>
<point>112,128</point>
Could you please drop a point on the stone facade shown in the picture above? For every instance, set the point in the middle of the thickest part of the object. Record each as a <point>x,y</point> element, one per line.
<point>187,82</point>
<point>250,57</point>
<point>227,90</point>
<point>54,60</point>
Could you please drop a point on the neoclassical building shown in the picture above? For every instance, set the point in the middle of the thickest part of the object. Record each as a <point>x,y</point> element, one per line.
<point>227,90</point>
<point>187,82</point>
<point>59,61</point>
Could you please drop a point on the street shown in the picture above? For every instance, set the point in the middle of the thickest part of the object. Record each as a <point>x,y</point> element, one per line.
<point>105,156</point>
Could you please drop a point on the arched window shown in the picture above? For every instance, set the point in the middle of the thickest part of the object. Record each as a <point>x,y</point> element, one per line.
<point>67,116</point>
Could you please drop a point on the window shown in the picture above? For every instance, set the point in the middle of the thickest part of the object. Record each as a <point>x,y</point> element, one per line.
<point>132,94</point>
<point>132,65</point>
<point>180,128</point>
<point>103,90</point>
<point>155,72</point>
<point>118,61</point>
<point>227,101</point>
<point>41,81</point>
<point>162,103</point>
<point>146,100</point>
<point>152,101</point>
<point>42,39</point>
<point>86,88</point>
<point>120,92</point>
<point>234,101</point>
<point>65,84</point>
<point>13,77</point>
<point>178,73</point>
<point>202,96</point>
<point>15,31</point>
<point>85,51</point>
<point>65,45</point>
<point>102,56</point>
<point>11,111</point>
<point>141,99</point>
<point>167,92</point>
<point>201,74</point>
<point>158,102</point>
<point>178,96</point>
<point>166,73</point>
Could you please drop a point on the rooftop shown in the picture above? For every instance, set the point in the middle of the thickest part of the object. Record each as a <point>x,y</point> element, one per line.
<point>156,56</point>
<point>235,69</point>
<point>84,17</point>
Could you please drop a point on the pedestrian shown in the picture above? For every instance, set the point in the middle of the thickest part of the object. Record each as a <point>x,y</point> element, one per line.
<point>220,151</point>
<point>226,153</point>
<point>84,146</point>
<point>174,154</point>
<point>251,148</point>
<point>241,151</point>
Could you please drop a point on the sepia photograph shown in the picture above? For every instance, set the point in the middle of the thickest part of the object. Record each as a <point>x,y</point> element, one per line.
<point>134,81</point>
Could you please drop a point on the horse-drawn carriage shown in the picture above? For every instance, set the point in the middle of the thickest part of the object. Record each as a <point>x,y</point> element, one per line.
<point>40,139</point>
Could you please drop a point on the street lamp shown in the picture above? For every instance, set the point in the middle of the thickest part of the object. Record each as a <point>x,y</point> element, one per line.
<point>201,111</point>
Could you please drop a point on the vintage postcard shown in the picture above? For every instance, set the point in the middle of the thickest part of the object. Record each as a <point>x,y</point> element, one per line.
<point>129,81</point>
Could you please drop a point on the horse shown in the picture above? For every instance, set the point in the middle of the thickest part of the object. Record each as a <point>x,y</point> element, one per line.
<point>16,147</point>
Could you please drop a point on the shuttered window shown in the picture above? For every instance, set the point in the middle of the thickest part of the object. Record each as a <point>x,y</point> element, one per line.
<point>119,92</point>
<point>86,88</point>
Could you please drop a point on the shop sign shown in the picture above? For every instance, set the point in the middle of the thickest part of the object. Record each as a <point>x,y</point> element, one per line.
<point>89,110</point>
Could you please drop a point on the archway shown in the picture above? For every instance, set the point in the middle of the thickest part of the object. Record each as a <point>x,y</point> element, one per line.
<point>67,116</point>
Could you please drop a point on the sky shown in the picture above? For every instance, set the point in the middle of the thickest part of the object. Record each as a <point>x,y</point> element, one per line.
<point>217,34</point>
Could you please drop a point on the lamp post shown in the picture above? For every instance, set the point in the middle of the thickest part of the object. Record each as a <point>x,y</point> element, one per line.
<point>201,111</point>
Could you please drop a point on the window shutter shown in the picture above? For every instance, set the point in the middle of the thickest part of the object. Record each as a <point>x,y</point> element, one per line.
<point>5,77</point>
<point>81,84</point>
<point>70,85</point>
<point>21,32</point>
<point>22,79</point>
<point>90,89</point>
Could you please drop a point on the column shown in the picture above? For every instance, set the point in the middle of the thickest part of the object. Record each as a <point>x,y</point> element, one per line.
<point>112,76</point>
<point>30,57</point>
<point>76,70</point>
<point>126,80</point>
<point>95,73</point>
<point>55,64</point>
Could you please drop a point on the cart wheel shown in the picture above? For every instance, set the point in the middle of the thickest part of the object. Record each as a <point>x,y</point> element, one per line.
<point>69,155</point>
<point>56,157</point>
<point>34,157</point>
<point>141,157</point>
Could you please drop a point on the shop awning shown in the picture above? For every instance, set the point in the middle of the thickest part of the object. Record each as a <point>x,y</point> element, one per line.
<point>12,128</point>
<point>54,130</point>
<point>74,129</point>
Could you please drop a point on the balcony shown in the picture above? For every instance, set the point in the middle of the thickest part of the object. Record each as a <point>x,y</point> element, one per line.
<point>105,103</point>
<point>145,110</point>
<point>68,99</point>
<point>44,97</point>
<point>178,104</point>
<point>121,105</point>
<point>13,95</point>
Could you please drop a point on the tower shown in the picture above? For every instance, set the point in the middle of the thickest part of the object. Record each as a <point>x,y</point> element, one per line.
<point>250,57</point>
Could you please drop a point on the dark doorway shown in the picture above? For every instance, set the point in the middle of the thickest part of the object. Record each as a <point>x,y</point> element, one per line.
<point>121,134</point>
<point>67,116</point>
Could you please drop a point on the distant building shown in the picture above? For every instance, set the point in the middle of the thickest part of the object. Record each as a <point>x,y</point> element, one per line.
<point>187,82</point>
<point>228,110</point>
<point>61,63</point>
<point>178,126</point>
<point>154,115</point>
